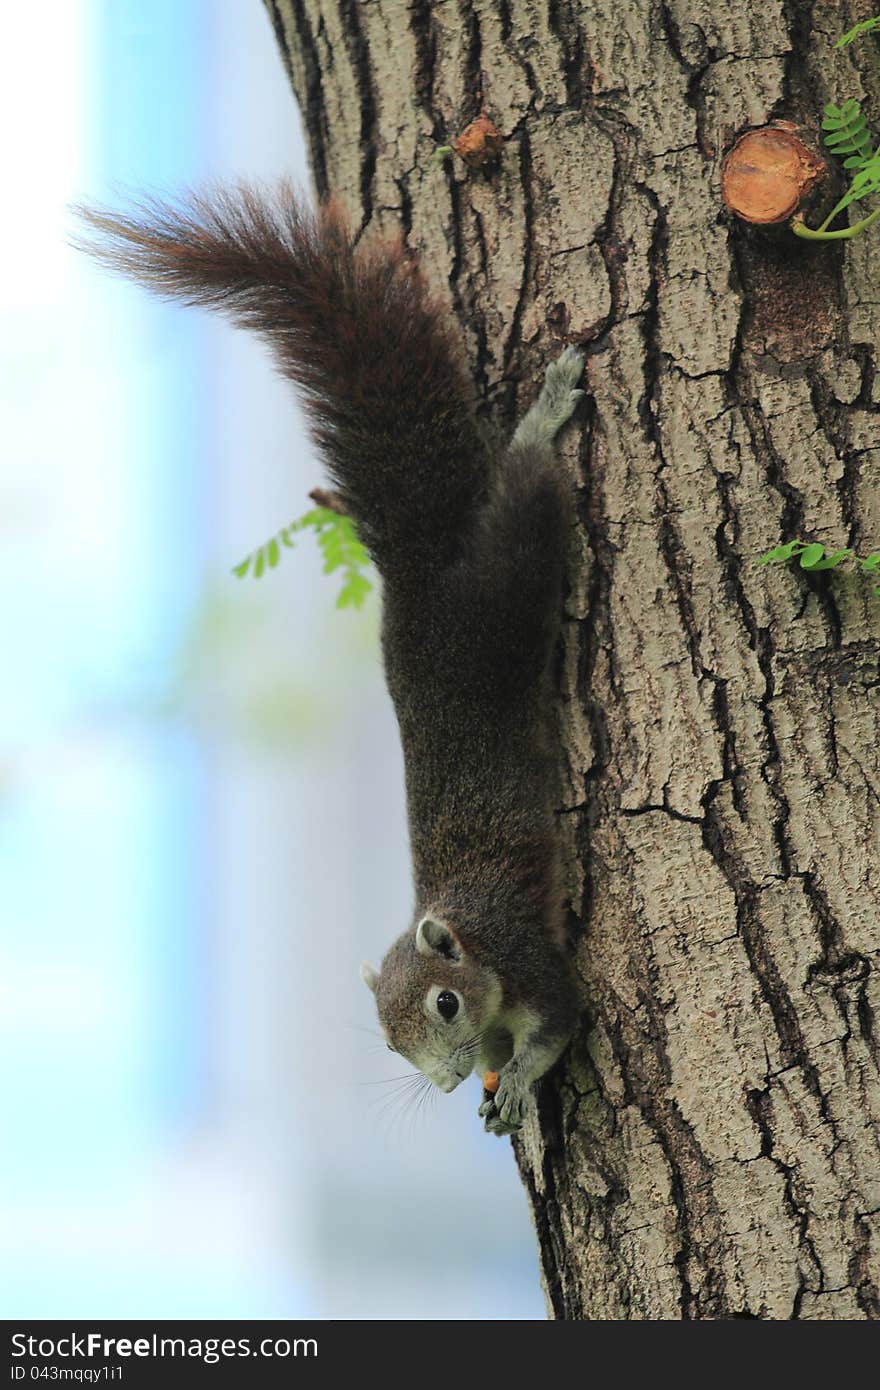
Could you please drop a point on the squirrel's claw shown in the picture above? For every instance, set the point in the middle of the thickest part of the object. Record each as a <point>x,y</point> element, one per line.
<point>493,1123</point>
<point>510,1100</point>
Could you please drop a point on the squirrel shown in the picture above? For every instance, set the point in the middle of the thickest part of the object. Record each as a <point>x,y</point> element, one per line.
<point>469,540</point>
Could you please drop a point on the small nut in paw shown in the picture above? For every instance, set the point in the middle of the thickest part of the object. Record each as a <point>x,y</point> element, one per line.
<point>510,1100</point>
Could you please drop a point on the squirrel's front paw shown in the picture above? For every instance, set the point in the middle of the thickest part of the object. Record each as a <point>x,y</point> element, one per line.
<point>503,1112</point>
<point>492,1121</point>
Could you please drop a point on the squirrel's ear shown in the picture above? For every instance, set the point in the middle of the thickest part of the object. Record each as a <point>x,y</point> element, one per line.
<point>369,976</point>
<point>434,938</point>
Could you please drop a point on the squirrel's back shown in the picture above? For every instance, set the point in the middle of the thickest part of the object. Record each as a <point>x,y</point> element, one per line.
<point>470,546</point>
<point>469,543</point>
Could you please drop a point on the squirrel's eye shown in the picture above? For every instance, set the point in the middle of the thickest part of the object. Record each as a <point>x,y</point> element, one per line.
<point>447,1004</point>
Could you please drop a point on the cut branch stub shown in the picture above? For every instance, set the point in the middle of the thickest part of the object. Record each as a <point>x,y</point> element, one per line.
<point>331,501</point>
<point>479,142</point>
<point>769,174</point>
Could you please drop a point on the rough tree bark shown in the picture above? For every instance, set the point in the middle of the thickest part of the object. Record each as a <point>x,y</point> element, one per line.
<point>709,1146</point>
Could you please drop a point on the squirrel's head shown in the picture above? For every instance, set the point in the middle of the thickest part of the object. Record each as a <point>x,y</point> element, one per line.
<point>434,1001</point>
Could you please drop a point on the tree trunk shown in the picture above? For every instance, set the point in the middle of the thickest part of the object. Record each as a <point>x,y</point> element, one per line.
<point>709,1145</point>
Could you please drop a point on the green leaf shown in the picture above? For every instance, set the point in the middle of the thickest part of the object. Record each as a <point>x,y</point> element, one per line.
<point>870,562</point>
<point>781,553</point>
<point>340,547</point>
<point>830,562</point>
<point>864,27</point>
<point>840,133</point>
<point>353,591</point>
<point>866,180</point>
<point>811,556</point>
<point>846,133</point>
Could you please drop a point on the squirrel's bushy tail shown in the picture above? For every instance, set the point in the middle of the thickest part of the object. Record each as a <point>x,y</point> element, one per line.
<point>356,329</point>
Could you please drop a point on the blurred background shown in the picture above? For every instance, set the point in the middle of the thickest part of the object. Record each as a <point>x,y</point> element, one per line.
<point>202,829</point>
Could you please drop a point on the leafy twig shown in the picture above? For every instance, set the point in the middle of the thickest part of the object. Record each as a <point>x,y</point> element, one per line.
<point>339,544</point>
<point>846,135</point>
<point>813,556</point>
<point>864,27</point>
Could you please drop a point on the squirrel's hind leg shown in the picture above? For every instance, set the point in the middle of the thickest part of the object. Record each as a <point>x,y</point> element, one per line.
<point>515,554</point>
<point>556,403</point>
<point>522,518</point>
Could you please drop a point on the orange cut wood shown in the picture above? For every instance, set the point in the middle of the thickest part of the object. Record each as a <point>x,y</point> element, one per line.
<point>480,142</point>
<point>768,174</point>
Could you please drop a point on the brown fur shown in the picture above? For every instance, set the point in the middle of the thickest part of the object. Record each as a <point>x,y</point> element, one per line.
<point>470,544</point>
<point>358,332</point>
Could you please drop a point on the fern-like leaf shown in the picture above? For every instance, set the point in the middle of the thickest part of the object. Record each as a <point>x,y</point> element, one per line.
<point>340,547</point>
<point>867,180</point>
<point>353,591</point>
<point>846,133</point>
